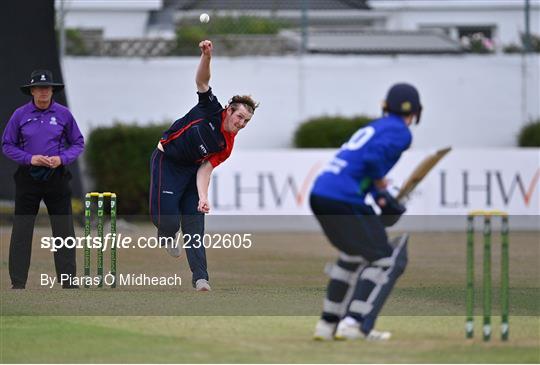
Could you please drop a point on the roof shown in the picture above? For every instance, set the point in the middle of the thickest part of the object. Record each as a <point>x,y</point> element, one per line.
<point>228,5</point>
<point>381,42</point>
<point>445,5</point>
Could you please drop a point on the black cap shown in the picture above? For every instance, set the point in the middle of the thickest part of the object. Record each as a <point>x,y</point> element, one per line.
<point>41,78</point>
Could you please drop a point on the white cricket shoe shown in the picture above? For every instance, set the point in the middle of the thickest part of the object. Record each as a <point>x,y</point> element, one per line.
<point>202,285</point>
<point>324,331</point>
<point>173,250</point>
<point>375,335</point>
<point>348,329</point>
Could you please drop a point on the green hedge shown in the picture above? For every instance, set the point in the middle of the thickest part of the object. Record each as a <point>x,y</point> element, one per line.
<point>328,131</point>
<point>75,43</point>
<point>530,135</point>
<point>189,35</point>
<point>118,160</point>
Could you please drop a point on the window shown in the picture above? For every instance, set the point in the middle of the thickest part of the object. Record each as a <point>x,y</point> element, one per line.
<point>468,31</point>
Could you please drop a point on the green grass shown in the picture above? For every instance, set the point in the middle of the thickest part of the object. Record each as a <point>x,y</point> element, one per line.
<point>252,339</point>
<point>263,309</point>
<point>264,300</point>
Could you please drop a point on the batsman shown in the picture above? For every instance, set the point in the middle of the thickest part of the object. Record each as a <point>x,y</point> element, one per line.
<point>369,264</point>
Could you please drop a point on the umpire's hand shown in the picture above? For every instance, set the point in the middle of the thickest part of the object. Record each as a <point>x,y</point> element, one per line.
<point>40,160</point>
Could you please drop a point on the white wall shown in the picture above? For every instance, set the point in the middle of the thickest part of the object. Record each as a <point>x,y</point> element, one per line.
<point>507,15</point>
<point>470,101</point>
<point>117,18</point>
<point>126,24</point>
<point>257,190</point>
<point>464,180</point>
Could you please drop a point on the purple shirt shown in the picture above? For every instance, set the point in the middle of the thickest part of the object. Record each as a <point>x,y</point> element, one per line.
<point>50,132</point>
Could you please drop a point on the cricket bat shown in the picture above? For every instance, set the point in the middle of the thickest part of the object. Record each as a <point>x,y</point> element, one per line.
<point>420,172</point>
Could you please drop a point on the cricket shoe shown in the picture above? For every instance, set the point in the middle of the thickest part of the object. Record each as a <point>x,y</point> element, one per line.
<point>375,335</point>
<point>202,285</point>
<point>324,331</point>
<point>173,250</point>
<point>349,329</point>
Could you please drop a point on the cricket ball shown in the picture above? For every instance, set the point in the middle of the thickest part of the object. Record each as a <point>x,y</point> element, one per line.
<point>204,18</point>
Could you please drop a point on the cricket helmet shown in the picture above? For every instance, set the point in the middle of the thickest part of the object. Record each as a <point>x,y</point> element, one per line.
<point>403,99</point>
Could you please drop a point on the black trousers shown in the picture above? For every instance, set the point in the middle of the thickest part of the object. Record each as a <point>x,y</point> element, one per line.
<point>56,194</point>
<point>353,229</point>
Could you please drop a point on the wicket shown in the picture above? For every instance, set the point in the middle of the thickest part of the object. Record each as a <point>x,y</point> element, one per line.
<point>504,295</point>
<point>100,223</point>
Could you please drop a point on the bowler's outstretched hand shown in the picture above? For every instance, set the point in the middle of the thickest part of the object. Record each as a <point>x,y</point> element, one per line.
<point>206,47</point>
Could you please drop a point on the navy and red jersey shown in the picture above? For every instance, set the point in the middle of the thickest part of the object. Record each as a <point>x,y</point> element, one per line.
<point>199,135</point>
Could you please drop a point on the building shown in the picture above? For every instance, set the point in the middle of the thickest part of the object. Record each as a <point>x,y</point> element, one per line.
<point>112,19</point>
<point>320,26</point>
<point>502,21</point>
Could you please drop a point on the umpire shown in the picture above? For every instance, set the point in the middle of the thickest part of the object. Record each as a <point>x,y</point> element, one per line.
<point>43,138</point>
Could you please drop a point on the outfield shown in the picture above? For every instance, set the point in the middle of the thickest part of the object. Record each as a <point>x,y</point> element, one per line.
<point>264,307</point>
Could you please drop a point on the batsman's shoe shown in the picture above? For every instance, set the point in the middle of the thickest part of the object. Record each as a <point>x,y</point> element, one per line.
<point>202,285</point>
<point>348,329</point>
<point>173,250</point>
<point>324,331</point>
<point>375,335</point>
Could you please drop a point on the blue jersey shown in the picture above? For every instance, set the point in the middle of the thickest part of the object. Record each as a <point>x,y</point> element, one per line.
<point>369,154</point>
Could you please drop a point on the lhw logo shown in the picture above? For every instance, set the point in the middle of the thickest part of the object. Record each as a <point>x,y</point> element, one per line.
<point>265,191</point>
<point>489,187</point>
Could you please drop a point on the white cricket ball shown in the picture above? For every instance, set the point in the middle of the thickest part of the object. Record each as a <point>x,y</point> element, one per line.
<point>204,18</point>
